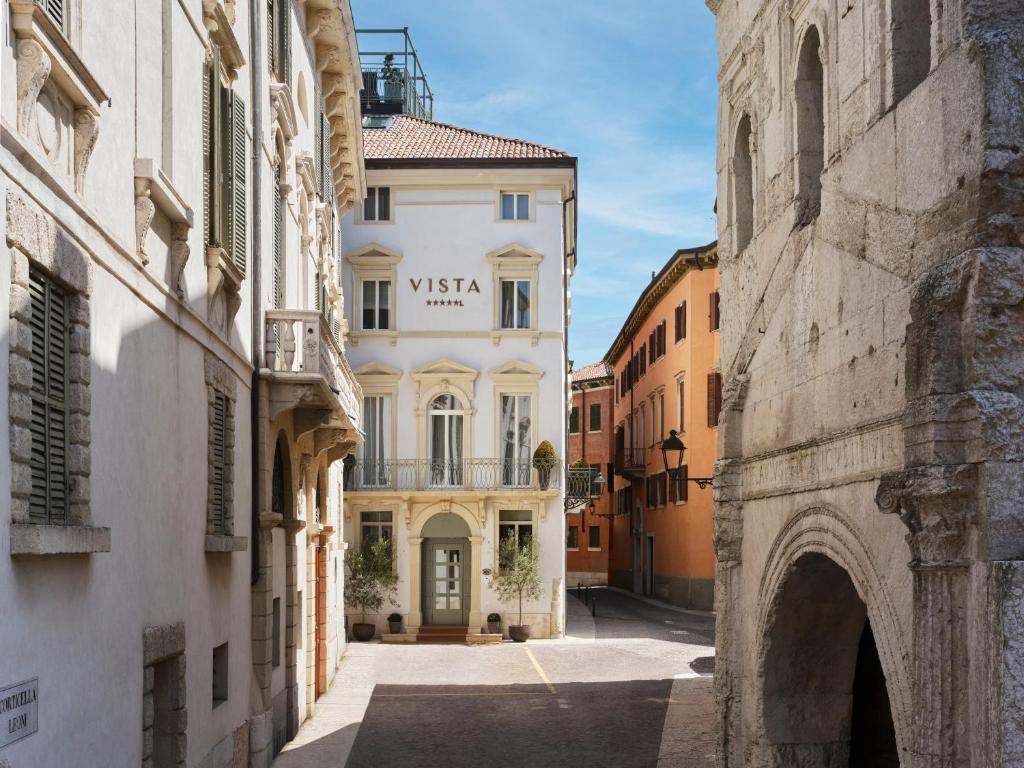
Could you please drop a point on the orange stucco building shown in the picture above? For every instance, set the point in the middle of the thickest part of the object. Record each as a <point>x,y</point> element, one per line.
<point>665,361</point>
<point>590,438</point>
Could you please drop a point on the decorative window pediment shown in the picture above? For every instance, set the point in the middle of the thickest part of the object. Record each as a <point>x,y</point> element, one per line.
<point>219,16</point>
<point>515,271</point>
<point>376,374</point>
<point>375,280</point>
<point>516,371</point>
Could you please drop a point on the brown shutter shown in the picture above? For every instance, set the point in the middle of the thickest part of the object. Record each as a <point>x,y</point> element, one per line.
<point>682,314</point>
<point>714,398</point>
<point>678,327</point>
<point>713,310</point>
<point>683,483</point>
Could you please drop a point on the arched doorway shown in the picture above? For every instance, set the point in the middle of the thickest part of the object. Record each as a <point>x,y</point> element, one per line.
<point>445,581</point>
<point>282,502</point>
<point>825,701</point>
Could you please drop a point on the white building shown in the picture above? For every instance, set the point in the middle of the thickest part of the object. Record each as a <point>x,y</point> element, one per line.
<point>457,268</point>
<point>161,285</point>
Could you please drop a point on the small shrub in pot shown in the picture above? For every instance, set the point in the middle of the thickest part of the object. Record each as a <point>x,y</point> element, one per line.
<point>395,623</point>
<point>370,580</point>
<point>494,623</point>
<point>544,460</point>
<point>518,577</point>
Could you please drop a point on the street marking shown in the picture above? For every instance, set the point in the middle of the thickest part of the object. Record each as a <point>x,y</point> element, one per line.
<point>540,671</point>
<point>431,695</point>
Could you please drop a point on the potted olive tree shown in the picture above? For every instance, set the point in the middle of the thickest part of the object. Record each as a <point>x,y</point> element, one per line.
<point>370,580</point>
<point>494,623</point>
<point>544,461</point>
<point>391,77</point>
<point>518,577</point>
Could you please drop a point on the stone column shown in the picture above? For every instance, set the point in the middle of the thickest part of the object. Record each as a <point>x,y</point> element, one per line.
<point>475,582</point>
<point>415,593</point>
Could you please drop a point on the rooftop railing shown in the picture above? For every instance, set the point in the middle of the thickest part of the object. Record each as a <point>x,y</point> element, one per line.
<point>394,82</point>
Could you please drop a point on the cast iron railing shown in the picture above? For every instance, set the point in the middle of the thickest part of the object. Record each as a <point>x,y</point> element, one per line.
<point>466,474</point>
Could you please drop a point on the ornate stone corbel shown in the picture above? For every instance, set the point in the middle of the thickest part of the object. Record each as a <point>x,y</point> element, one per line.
<point>33,71</point>
<point>87,127</point>
<point>179,255</point>
<point>145,210</point>
<point>224,283</point>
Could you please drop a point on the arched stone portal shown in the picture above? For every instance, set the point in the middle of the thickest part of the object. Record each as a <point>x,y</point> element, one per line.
<point>445,527</point>
<point>825,702</point>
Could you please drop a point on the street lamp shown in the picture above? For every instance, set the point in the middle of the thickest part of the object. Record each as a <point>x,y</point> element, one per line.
<point>676,469</point>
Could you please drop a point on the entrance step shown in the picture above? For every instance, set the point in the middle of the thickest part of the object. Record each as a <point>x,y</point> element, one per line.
<point>435,634</point>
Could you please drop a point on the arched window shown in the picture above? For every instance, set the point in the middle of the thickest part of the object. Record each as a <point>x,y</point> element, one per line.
<point>911,45</point>
<point>743,187</point>
<point>446,420</point>
<point>810,127</point>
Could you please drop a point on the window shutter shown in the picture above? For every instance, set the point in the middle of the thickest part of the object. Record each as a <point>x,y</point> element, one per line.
<point>714,398</point>
<point>683,483</point>
<point>48,502</point>
<point>237,218</point>
<point>713,310</point>
<point>318,144</point>
<point>327,193</point>
<point>652,346</point>
<point>682,314</point>
<point>679,323</point>
<point>218,462</point>
<point>316,294</point>
<point>207,151</point>
<point>610,476</point>
<point>278,234</point>
<point>284,65</point>
<point>271,35</point>
<point>55,10</point>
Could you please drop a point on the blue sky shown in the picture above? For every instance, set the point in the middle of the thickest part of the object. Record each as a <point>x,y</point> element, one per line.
<point>630,89</point>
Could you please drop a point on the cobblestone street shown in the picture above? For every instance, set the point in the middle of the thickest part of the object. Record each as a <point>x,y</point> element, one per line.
<point>629,688</point>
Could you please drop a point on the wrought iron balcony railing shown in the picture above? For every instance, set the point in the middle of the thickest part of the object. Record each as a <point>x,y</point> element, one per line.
<point>394,82</point>
<point>630,458</point>
<point>467,474</point>
<point>301,341</point>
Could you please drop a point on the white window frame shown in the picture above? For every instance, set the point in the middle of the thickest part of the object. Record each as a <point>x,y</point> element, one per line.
<point>681,402</point>
<point>384,406</point>
<point>362,218</point>
<point>515,281</point>
<point>376,524</point>
<point>373,262</point>
<point>377,281</point>
<point>515,262</point>
<point>517,196</point>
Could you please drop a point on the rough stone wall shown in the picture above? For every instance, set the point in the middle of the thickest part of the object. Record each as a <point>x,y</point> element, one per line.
<point>874,364</point>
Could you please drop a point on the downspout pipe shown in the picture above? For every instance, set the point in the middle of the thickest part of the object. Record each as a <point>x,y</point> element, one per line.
<point>256,92</point>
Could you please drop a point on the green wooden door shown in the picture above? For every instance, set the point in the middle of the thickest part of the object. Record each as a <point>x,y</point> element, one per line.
<point>446,581</point>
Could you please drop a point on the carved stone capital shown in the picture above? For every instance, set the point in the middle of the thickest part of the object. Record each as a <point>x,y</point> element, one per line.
<point>87,127</point>
<point>937,504</point>
<point>33,70</point>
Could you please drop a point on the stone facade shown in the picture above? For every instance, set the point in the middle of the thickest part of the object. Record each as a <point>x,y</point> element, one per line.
<point>867,517</point>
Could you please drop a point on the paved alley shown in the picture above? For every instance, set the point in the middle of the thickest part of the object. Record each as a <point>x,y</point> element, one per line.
<point>629,688</point>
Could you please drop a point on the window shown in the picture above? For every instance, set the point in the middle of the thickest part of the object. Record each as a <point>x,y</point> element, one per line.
<point>220,674</point>
<point>374,526</point>
<point>714,397</point>
<point>217,496</point>
<point>276,633</point>
<point>572,537</point>
<point>515,206</point>
<point>516,451</point>
<point>515,522</point>
<point>743,187</point>
<point>445,424</point>
<point>654,421</point>
<point>594,540</point>
<point>515,303</point>
<point>279,56</point>
<point>376,448</point>
<point>594,424</point>
<point>681,403</point>
<point>376,305</point>
<point>661,415</point>
<point>377,206</point>
<point>652,346</point>
<point>680,484</point>
<point>810,128</point>
<point>681,322</point>
<point>660,336</point>
<point>714,315</point>
<point>48,306</point>
<point>640,362</point>
<point>911,45</point>
<point>278,214</point>
<point>322,150</point>
<point>642,422</point>
<point>57,11</point>
<point>224,140</point>
<point>574,420</point>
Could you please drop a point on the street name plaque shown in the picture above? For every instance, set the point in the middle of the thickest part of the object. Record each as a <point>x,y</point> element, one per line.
<point>19,711</point>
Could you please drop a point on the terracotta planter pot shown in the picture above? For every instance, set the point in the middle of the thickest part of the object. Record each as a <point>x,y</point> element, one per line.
<point>520,632</point>
<point>395,627</point>
<point>494,627</point>
<point>363,632</point>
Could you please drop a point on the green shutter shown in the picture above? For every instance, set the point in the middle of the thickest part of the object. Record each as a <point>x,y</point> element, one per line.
<point>327,175</point>
<point>48,502</point>
<point>317,291</point>
<point>235,201</point>
<point>278,236</point>
<point>318,144</point>
<point>218,463</point>
<point>284,52</point>
<point>271,35</point>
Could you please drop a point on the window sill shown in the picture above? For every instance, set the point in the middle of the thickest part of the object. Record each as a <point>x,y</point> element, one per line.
<point>30,539</point>
<point>220,543</point>
<point>515,333</point>
<point>390,334</point>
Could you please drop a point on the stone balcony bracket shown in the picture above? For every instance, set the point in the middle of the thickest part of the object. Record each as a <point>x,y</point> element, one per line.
<point>153,192</point>
<point>224,544</point>
<point>223,281</point>
<point>45,57</point>
<point>29,539</point>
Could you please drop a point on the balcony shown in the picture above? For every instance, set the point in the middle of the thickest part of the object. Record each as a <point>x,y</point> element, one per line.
<point>308,373</point>
<point>430,475</point>
<point>393,79</point>
<point>630,462</point>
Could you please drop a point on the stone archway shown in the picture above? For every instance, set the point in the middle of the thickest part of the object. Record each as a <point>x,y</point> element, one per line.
<point>283,502</point>
<point>824,703</point>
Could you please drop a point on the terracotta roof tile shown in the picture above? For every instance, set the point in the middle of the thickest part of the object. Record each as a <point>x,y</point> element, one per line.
<point>409,138</point>
<point>598,370</point>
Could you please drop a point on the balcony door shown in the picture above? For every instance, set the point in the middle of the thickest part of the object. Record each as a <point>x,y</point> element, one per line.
<point>516,440</point>
<point>376,448</point>
<point>446,433</point>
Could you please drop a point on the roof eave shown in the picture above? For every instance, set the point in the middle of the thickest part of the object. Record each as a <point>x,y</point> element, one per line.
<point>383,163</point>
